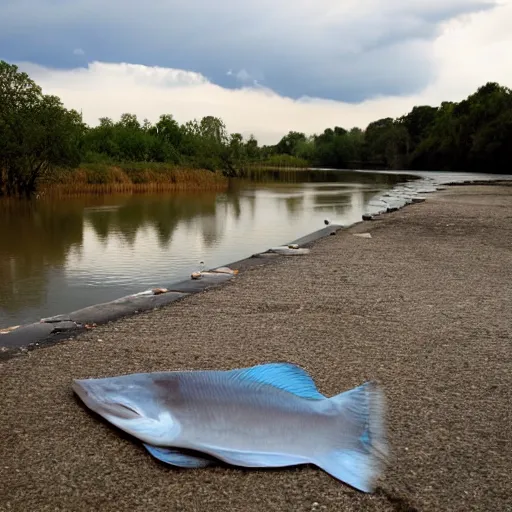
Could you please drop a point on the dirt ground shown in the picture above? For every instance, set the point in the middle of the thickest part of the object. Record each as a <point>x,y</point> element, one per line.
<point>424,307</point>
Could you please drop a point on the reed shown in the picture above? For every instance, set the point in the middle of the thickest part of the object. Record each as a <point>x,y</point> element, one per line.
<point>278,162</point>
<point>129,178</point>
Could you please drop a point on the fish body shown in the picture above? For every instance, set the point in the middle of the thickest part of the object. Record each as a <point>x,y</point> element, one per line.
<point>269,415</point>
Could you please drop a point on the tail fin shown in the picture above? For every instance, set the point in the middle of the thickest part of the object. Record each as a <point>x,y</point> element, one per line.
<point>359,450</point>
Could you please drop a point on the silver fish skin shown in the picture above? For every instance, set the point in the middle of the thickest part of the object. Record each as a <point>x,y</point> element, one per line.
<point>269,415</point>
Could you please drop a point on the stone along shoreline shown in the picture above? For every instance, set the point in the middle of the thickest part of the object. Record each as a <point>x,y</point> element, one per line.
<point>423,306</point>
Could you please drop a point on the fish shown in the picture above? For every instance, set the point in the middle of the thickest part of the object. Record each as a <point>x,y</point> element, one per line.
<point>269,415</point>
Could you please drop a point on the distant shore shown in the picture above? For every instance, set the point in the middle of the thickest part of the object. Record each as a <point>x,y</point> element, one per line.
<point>143,177</point>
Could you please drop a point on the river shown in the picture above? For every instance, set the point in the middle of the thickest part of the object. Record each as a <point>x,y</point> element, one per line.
<point>59,255</point>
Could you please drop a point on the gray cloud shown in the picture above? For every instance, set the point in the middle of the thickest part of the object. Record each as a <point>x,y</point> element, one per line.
<point>349,51</point>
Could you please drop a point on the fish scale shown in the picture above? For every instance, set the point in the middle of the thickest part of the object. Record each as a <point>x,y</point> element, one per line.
<point>248,417</point>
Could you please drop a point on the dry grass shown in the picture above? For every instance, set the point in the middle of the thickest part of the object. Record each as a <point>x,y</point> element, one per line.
<point>134,178</point>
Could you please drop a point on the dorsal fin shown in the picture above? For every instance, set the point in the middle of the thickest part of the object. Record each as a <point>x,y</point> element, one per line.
<point>286,376</point>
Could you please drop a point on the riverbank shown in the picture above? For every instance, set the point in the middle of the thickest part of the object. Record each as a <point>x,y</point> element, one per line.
<point>422,306</point>
<point>130,177</point>
<point>99,178</point>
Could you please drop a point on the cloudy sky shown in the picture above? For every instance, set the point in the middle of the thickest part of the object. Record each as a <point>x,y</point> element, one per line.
<point>264,66</point>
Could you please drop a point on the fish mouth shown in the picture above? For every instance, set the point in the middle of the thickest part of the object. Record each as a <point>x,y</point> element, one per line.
<point>94,396</point>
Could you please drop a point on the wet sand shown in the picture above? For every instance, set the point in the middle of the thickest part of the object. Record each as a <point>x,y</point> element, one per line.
<point>424,306</point>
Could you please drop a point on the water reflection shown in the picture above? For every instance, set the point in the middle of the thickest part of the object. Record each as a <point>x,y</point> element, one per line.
<point>162,212</point>
<point>294,204</point>
<point>61,255</point>
<point>34,240</point>
<point>347,177</point>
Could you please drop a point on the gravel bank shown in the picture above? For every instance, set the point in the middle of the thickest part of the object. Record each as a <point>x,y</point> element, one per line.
<point>423,306</point>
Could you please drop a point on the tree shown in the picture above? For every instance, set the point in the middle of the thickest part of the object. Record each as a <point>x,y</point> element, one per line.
<point>129,121</point>
<point>471,135</point>
<point>251,148</point>
<point>419,121</point>
<point>288,144</point>
<point>337,147</point>
<point>387,141</point>
<point>36,133</point>
<point>213,129</point>
<point>169,131</point>
<point>305,149</point>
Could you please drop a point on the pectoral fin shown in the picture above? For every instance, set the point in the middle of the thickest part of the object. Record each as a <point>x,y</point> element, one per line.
<point>175,457</point>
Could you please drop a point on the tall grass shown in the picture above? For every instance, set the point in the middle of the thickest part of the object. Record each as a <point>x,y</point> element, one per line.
<point>99,178</point>
<point>279,162</point>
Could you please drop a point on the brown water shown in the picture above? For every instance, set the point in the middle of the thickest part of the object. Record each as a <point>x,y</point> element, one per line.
<point>60,255</point>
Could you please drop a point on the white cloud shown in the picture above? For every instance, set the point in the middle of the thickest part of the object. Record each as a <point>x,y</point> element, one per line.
<point>469,52</point>
<point>78,51</point>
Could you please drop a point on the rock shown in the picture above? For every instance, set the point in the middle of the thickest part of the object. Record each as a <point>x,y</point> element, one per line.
<point>207,280</point>
<point>65,326</point>
<point>225,270</point>
<point>317,235</point>
<point>367,216</point>
<point>7,330</point>
<point>26,335</point>
<point>287,251</point>
<point>363,235</point>
<point>109,311</point>
<point>55,319</point>
<point>265,255</point>
<point>216,275</point>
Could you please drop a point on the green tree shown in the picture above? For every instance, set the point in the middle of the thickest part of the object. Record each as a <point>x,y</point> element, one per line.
<point>36,133</point>
<point>213,129</point>
<point>471,135</point>
<point>418,122</point>
<point>169,131</point>
<point>387,142</point>
<point>288,144</point>
<point>305,149</point>
<point>337,147</point>
<point>251,148</point>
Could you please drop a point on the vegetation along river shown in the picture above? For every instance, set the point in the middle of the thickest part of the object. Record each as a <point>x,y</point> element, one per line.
<point>58,255</point>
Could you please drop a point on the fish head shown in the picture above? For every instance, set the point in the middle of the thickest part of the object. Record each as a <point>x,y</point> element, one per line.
<point>132,403</point>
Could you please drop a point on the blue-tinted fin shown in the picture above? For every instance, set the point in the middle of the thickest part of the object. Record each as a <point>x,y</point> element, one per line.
<point>359,450</point>
<point>352,467</point>
<point>259,459</point>
<point>365,437</point>
<point>365,404</point>
<point>285,376</point>
<point>177,458</point>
